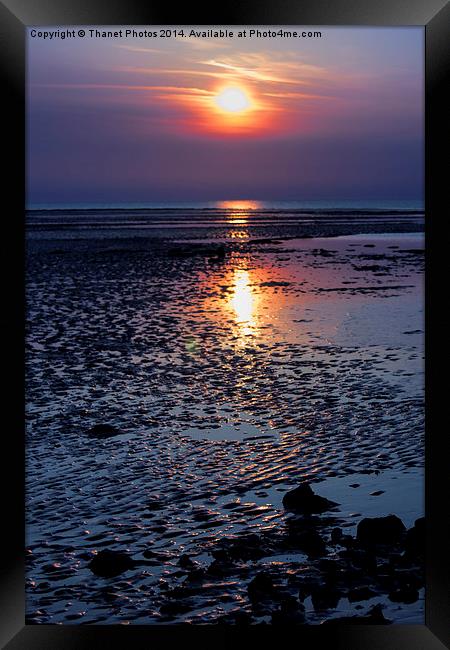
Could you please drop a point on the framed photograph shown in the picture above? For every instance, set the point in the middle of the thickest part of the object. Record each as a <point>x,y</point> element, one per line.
<point>226,247</point>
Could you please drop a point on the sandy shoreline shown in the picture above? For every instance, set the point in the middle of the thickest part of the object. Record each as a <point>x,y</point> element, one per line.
<point>231,371</point>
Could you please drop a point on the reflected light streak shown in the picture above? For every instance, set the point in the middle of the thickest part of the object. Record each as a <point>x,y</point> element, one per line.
<point>239,234</point>
<point>243,302</point>
<point>238,210</point>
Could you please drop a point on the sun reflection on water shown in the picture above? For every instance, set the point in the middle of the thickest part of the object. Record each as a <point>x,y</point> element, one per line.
<point>237,211</point>
<point>243,301</point>
<point>239,234</point>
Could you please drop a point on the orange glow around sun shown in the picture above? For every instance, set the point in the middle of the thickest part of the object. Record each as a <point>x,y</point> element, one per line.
<point>244,204</point>
<point>234,110</point>
<point>225,111</point>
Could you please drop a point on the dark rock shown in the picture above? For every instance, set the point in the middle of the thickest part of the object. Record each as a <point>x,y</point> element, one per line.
<point>221,555</point>
<point>185,562</point>
<point>303,499</point>
<point>216,569</point>
<point>353,577</point>
<point>218,256</point>
<point>336,535</point>
<point>329,566</point>
<point>309,541</point>
<point>385,580</point>
<point>374,616</point>
<point>380,530</point>
<point>411,578</point>
<point>239,617</point>
<point>261,587</point>
<point>108,564</point>
<point>301,521</point>
<point>335,577</point>
<point>306,587</point>
<point>180,592</point>
<point>290,612</point>
<point>394,561</point>
<point>404,594</point>
<point>242,618</point>
<point>325,597</point>
<point>347,541</point>
<point>103,431</point>
<point>174,607</point>
<point>291,604</point>
<point>363,559</point>
<point>415,539</point>
<point>212,252</point>
<point>251,540</point>
<point>361,593</point>
<point>196,575</point>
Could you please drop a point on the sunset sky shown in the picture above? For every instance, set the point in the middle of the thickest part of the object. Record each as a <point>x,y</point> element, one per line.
<point>131,120</point>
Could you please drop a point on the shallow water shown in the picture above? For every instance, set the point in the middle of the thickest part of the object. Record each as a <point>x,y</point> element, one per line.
<point>223,220</point>
<point>231,381</point>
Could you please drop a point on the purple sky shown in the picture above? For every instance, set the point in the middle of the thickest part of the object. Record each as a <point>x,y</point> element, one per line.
<point>135,120</point>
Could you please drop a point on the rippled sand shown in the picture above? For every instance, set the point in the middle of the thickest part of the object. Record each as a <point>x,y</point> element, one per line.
<point>230,381</point>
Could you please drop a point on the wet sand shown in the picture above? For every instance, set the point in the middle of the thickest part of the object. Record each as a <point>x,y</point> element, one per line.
<point>229,374</point>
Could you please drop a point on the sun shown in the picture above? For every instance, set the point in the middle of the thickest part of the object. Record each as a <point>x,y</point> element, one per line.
<point>232,100</point>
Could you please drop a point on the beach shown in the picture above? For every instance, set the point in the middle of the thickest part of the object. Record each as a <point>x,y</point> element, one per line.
<point>185,370</point>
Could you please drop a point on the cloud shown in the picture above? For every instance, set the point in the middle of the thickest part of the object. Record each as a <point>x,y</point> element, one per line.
<point>251,74</point>
<point>143,50</point>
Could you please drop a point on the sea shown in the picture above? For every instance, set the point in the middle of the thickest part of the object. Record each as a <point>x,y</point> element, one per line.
<point>221,218</point>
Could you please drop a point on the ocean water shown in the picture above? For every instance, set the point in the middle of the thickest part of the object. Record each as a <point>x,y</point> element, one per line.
<point>222,219</point>
<point>248,204</point>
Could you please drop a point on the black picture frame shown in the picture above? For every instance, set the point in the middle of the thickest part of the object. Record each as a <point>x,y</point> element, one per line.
<point>15,16</point>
